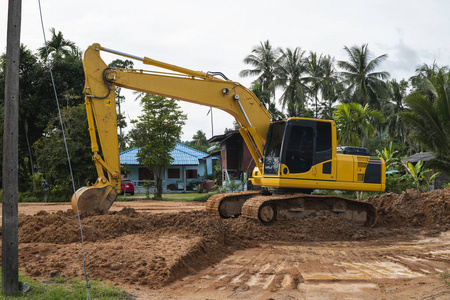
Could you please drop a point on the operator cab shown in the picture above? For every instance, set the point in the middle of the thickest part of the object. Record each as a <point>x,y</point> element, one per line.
<point>299,144</point>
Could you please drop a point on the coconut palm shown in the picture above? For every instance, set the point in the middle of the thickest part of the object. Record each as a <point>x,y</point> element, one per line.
<point>423,72</point>
<point>58,46</point>
<point>290,76</point>
<point>315,72</point>
<point>429,117</point>
<point>264,97</point>
<point>330,87</point>
<point>363,84</point>
<point>263,59</point>
<point>393,108</point>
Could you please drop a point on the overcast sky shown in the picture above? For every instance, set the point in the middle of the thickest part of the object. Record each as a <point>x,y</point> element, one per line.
<point>217,35</point>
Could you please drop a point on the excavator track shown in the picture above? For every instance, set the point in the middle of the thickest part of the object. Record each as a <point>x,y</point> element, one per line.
<point>268,209</point>
<point>229,204</point>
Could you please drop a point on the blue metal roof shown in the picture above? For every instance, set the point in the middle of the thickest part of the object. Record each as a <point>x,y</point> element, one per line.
<point>182,155</point>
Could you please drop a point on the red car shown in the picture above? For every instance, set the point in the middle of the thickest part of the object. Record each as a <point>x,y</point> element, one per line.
<point>127,186</point>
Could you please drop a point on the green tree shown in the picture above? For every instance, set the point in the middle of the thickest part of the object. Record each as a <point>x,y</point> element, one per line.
<point>428,118</point>
<point>393,108</point>
<point>354,123</point>
<point>121,122</point>
<point>156,132</point>
<point>199,141</point>
<point>290,76</point>
<point>363,84</point>
<point>51,153</point>
<point>58,46</point>
<point>263,59</point>
<point>264,97</point>
<point>315,73</point>
<point>37,100</point>
<point>330,87</point>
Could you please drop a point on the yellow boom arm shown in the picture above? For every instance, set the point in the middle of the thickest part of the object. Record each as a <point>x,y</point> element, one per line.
<point>187,85</point>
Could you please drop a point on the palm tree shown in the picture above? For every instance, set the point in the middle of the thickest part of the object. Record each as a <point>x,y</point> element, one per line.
<point>393,108</point>
<point>264,60</point>
<point>330,87</point>
<point>58,46</point>
<point>363,85</point>
<point>429,117</point>
<point>290,73</point>
<point>424,72</point>
<point>264,97</point>
<point>355,123</point>
<point>315,70</point>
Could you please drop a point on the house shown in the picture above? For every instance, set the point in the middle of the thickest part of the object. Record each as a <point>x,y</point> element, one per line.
<point>426,156</point>
<point>235,157</point>
<point>189,167</point>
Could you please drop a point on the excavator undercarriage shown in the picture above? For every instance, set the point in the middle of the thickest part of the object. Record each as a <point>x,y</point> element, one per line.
<point>268,208</point>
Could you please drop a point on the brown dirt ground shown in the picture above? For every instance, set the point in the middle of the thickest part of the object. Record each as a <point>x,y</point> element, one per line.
<point>191,255</point>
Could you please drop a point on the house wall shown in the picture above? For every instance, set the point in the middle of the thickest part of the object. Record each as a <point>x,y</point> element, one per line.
<point>235,156</point>
<point>440,180</point>
<point>209,166</point>
<point>200,173</point>
<point>247,160</point>
<point>134,175</point>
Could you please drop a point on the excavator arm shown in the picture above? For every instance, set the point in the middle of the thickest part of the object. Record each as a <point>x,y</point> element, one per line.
<point>187,85</point>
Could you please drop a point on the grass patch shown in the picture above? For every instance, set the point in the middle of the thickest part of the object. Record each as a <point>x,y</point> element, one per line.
<point>64,288</point>
<point>169,197</point>
<point>446,277</point>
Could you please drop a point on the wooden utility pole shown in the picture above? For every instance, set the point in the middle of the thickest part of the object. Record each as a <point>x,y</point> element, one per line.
<point>10,219</point>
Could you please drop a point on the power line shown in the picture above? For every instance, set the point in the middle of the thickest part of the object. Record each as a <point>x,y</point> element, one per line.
<point>67,152</point>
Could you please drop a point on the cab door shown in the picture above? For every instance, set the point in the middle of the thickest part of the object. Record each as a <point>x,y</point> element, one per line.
<point>298,149</point>
<point>308,150</point>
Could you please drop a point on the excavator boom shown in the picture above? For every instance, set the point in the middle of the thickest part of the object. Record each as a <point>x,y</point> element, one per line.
<point>186,85</point>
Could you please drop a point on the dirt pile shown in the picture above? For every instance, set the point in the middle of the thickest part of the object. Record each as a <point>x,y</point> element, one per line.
<point>127,247</point>
<point>429,210</point>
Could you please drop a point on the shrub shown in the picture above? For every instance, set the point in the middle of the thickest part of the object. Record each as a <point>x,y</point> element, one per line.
<point>172,187</point>
<point>396,183</point>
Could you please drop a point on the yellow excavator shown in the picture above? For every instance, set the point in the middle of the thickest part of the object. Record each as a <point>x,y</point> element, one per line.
<point>293,156</point>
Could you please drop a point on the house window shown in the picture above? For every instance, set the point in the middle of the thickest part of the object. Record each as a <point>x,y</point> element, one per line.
<point>173,173</point>
<point>145,174</point>
<point>191,174</point>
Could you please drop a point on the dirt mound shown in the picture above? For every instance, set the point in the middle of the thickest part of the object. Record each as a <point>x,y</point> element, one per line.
<point>128,247</point>
<point>430,210</point>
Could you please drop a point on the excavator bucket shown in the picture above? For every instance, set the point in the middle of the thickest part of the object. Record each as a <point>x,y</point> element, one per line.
<point>94,199</point>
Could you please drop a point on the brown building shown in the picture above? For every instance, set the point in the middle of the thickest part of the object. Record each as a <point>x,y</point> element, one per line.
<point>235,158</point>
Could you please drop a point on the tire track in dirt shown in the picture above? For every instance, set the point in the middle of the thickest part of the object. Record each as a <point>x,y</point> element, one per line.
<point>327,269</point>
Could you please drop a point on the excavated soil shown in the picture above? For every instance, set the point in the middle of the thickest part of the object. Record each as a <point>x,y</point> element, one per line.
<point>190,254</point>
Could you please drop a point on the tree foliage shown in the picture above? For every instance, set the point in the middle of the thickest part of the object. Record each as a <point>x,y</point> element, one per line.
<point>37,104</point>
<point>428,117</point>
<point>363,84</point>
<point>199,141</point>
<point>355,123</point>
<point>58,46</point>
<point>121,122</point>
<point>51,154</point>
<point>155,133</point>
<point>264,59</point>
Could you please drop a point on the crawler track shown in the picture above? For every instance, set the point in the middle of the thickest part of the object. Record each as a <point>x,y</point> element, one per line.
<point>269,208</point>
<point>228,205</point>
